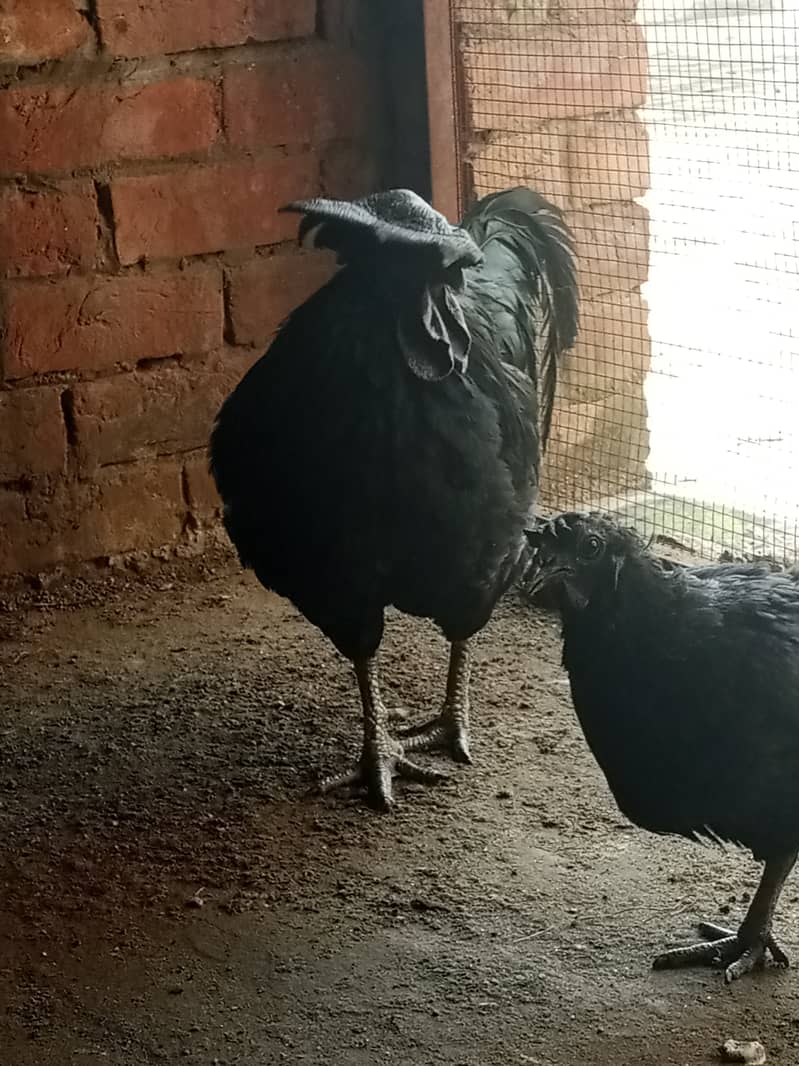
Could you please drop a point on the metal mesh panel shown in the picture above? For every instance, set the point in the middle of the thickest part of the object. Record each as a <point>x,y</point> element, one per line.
<point>669,131</point>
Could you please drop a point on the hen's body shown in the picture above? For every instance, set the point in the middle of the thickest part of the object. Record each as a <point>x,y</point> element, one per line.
<point>686,684</point>
<point>688,694</point>
<point>355,477</point>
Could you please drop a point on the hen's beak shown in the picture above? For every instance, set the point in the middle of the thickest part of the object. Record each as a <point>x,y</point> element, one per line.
<point>544,573</point>
<point>543,567</point>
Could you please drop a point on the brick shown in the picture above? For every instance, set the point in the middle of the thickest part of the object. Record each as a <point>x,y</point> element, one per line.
<point>608,159</point>
<point>594,11</point>
<point>349,171</point>
<point>94,323</point>
<point>613,349</point>
<point>311,96</point>
<point>48,231</point>
<point>597,449</point>
<point>264,291</point>
<point>33,438</point>
<point>33,31</point>
<point>508,18</point>
<point>612,247</point>
<point>133,28</point>
<point>135,507</point>
<point>207,209</point>
<point>63,127</point>
<point>204,502</point>
<point>17,553</point>
<point>538,158</point>
<point>554,72</point>
<point>158,411</point>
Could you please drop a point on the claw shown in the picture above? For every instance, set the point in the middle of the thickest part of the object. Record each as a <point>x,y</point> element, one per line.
<point>375,773</point>
<point>443,733</point>
<point>723,948</point>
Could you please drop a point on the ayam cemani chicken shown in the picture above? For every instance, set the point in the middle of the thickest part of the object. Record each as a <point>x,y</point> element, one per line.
<point>685,680</point>
<point>385,450</point>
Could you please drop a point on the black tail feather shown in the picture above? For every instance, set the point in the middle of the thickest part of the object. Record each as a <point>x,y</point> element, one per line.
<point>536,232</point>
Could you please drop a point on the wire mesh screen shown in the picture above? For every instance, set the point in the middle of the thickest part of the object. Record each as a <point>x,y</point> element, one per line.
<point>669,132</point>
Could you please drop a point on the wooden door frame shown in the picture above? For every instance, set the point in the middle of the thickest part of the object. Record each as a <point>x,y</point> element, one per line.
<point>443,108</point>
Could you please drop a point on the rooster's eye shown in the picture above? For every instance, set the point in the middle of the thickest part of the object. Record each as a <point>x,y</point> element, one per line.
<point>591,547</point>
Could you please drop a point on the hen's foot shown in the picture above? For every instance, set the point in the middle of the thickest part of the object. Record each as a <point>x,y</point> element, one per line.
<point>449,732</point>
<point>381,761</point>
<point>738,955</point>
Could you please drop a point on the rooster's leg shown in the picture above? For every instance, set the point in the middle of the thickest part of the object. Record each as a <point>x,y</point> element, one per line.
<point>745,950</point>
<point>449,731</point>
<point>382,756</point>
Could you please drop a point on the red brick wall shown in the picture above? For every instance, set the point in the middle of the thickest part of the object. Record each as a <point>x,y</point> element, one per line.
<point>144,147</point>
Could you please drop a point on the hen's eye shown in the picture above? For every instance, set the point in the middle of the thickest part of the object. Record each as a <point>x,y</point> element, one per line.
<point>591,547</point>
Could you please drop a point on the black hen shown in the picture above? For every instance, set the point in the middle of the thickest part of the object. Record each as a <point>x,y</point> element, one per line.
<point>386,449</point>
<point>685,682</point>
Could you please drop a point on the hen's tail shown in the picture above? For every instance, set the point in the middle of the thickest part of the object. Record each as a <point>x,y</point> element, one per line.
<point>529,254</point>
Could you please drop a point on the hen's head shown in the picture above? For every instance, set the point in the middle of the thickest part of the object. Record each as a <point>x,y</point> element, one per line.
<point>577,555</point>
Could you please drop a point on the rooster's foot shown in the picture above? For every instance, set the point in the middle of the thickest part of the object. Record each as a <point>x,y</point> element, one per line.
<point>381,761</point>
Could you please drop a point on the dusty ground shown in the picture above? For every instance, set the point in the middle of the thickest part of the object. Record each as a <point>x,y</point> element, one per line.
<point>157,746</point>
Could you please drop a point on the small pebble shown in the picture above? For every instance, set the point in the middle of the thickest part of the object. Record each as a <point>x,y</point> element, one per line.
<point>751,1052</point>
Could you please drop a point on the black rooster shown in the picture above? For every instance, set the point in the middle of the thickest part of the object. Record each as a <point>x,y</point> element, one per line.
<point>386,448</point>
<point>686,684</point>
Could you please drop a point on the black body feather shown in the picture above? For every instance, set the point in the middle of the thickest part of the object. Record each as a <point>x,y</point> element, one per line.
<point>386,448</point>
<point>685,681</point>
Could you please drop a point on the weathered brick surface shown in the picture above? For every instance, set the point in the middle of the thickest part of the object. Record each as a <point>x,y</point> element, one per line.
<point>538,158</point>
<point>32,31</point>
<point>612,246</point>
<point>613,349</point>
<point>608,159</point>
<point>33,438</point>
<point>575,162</point>
<point>350,170</point>
<point>554,72</point>
<point>63,127</point>
<point>204,502</point>
<point>158,411</point>
<point>17,548</point>
<point>92,323</point>
<point>48,230</point>
<point>207,209</point>
<point>262,292</point>
<point>307,97</point>
<point>130,28</point>
<point>615,11</point>
<point>598,448</point>
<point>132,507</point>
<point>114,175</point>
<point>503,18</point>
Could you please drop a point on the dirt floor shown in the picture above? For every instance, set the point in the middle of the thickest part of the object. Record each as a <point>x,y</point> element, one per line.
<point>171,892</point>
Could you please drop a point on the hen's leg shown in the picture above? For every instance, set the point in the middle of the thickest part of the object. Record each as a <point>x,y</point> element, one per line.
<point>382,757</point>
<point>449,731</point>
<point>739,952</point>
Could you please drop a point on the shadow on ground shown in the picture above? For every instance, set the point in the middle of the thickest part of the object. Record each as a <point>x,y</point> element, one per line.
<point>156,751</point>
